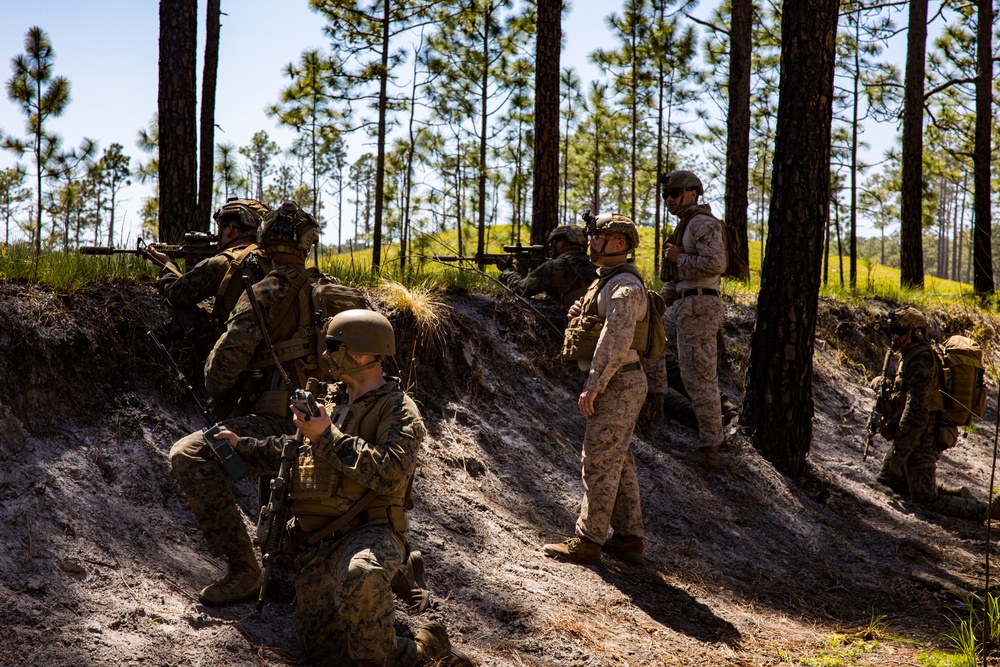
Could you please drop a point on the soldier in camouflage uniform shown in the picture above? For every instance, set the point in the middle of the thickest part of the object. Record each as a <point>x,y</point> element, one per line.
<point>287,234</point>
<point>693,262</point>
<point>914,426</point>
<point>612,397</point>
<point>220,276</point>
<point>359,453</point>
<point>565,276</point>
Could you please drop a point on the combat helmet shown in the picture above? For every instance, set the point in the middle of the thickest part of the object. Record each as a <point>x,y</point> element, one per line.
<point>571,234</point>
<point>244,214</point>
<point>361,332</point>
<point>684,180</point>
<point>288,229</point>
<point>614,223</point>
<point>909,322</point>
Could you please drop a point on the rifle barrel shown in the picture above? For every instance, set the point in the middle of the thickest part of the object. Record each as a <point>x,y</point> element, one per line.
<point>105,250</point>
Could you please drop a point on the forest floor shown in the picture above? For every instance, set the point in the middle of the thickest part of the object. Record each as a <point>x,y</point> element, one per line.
<point>101,558</point>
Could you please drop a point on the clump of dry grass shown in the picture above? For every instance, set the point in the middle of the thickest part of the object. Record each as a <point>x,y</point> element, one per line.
<point>424,305</point>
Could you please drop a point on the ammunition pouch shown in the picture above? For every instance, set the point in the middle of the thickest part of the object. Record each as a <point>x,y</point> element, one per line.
<point>946,436</point>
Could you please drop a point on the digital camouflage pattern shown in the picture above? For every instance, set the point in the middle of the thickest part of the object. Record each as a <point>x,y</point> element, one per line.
<point>692,325</point>
<point>208,488</point>
<point>610,485</point>
<point>205,278</point>
<point>910,465</point>
<point>232,352</point>
<point>563,279</point>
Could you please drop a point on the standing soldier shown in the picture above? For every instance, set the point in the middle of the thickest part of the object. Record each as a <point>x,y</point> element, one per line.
<point>693,262</point>
<point>565,276</point>
<point>914,425</point>
<point>350,487</point>
<point>219,276</point>
<point>601,338</point>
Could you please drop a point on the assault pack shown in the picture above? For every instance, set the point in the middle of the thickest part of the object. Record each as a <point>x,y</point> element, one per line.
<point>962,380</point>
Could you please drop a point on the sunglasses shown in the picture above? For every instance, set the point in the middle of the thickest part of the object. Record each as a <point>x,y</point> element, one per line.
<point>673,193</point>
<point>333,346</point>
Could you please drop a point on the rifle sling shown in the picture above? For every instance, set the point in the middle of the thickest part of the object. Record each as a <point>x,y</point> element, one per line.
<point>344,519</point>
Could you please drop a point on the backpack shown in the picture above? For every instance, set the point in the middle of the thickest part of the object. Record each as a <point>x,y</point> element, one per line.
<point>736,266</point>
<point>656,344</point>
<point>963,380</point>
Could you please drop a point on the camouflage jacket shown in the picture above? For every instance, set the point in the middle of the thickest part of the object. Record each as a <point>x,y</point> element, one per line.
<point>372,444</point>
<point>915,386</point>
<point>703,259</point>
<point>621,303</point>
<point>564,279</point>
<point>204,280</point>
<point>234,349</point>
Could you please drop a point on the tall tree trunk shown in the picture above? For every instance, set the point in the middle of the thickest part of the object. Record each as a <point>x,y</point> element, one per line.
<point>483,125</point>
<point>778,408</point>
<point>738,124</point>
<point>982,249</point>
<point>545,186</point>
<point>380,151</point>
<point>176,106</point>
<point>853,244</point>
<point>209,74</point>
<point>911,248</point>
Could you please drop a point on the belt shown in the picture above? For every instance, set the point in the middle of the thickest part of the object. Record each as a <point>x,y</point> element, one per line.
<point>634,366</point>
<point>705,291</point>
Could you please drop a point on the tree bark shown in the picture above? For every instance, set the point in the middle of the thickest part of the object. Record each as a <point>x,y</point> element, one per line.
<point>545,186</point>
<point>911,249</point>
<point>177,126</point>
<point>738,124</point>
<point>982,249</point>
<point>778,407</point>
<point>213,14</point>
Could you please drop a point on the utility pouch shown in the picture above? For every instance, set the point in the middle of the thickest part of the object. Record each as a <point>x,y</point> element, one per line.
<point>231,461</point>
<point>274,402</point>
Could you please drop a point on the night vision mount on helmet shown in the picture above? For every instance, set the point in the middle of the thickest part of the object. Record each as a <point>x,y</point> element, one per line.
<point>288,229</point>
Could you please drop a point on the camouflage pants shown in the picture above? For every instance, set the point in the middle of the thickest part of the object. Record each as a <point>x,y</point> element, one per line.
<point>692,324</point>
<point>344,609</point>
<point>919,477</point>
<point>610,485</point>
<point>208,488</point>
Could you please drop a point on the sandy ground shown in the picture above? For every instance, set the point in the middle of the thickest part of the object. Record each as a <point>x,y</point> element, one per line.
<point>100,558</point>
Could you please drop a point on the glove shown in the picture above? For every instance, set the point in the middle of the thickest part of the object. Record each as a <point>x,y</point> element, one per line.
<point>653,408</point>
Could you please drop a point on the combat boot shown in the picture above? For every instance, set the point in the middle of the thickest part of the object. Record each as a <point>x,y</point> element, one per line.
<point>241,583</point>
<point>626,547</point>
<point>434,648</point>
<point>704,456</point>
<point>409,585</point>
<point>575,549</point>
<point>959,491</point>
<point>729,412</point>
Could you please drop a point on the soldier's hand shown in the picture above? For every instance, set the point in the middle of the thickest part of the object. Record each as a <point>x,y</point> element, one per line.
<point>503,263</point>
<point>160,258</point>
<point>673,252</point>
<point>226,434</point>
<point>575,309</point>
<point>311,427</point>
<point>586,402</point>
<point>653,408</point>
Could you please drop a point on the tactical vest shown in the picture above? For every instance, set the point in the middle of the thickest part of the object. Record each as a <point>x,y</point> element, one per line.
<point>250,259</point>
<point>584,330</point>
<point>319,490</point>
<point>297,337</point>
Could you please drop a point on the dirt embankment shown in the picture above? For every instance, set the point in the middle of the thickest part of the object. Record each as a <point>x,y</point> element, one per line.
<point>101,557</point>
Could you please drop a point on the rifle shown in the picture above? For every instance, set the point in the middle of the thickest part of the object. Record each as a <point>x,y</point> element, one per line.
<point>196,247</point>
<point>876,419</point>
<point>526,258</point>
<point>231,461</point>
<point>273,520</point>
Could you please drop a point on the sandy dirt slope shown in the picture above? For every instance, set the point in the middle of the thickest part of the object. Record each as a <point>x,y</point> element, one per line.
<point>101,558</point>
